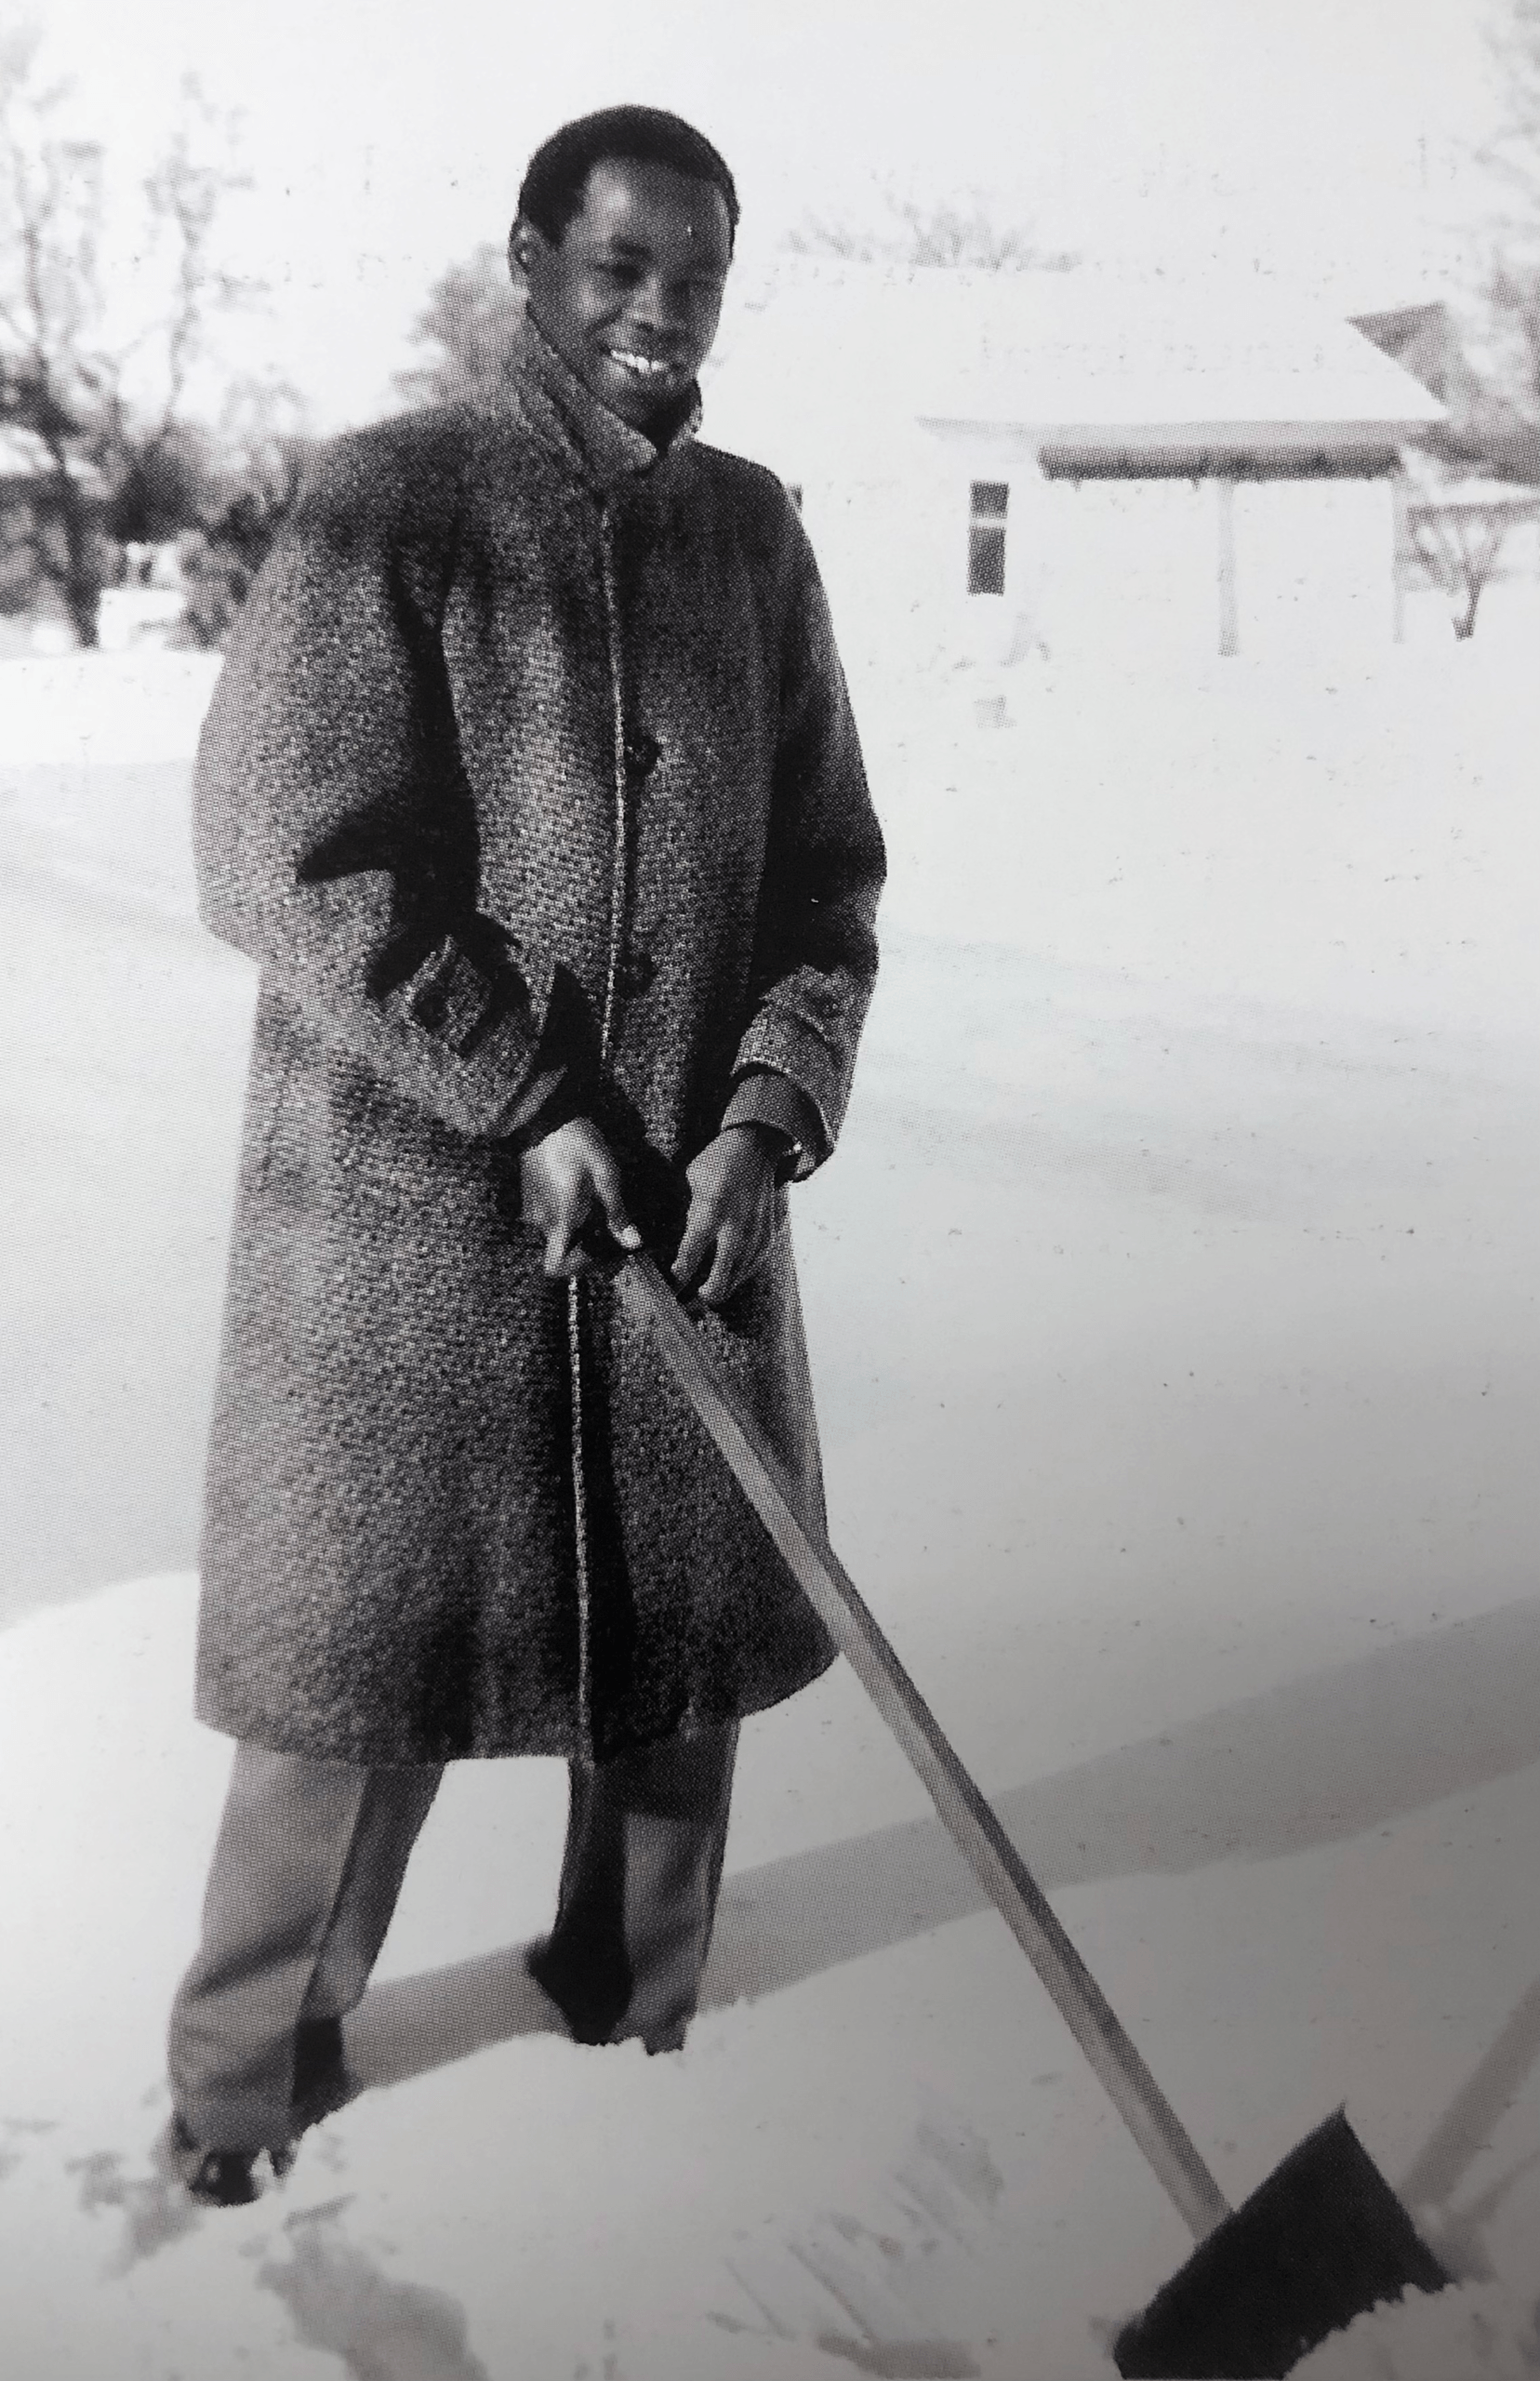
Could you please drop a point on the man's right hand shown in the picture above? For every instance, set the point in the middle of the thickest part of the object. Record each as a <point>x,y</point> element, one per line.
<point>565,1182</point>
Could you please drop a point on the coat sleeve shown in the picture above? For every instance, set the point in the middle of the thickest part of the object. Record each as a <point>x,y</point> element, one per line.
<point>332,826</point>
<point>815,945</point>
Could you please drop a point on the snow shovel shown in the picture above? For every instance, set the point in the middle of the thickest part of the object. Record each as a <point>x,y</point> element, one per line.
<point>1324,2237</point>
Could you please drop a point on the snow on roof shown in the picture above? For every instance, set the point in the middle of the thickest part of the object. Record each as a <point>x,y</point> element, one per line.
<point>1060,353</point>
<point>1476,496</point>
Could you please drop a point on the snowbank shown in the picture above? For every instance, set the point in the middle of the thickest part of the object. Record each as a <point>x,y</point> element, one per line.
<point>104,707</point>
<point>891,2159</point>
<point>1324,839</point>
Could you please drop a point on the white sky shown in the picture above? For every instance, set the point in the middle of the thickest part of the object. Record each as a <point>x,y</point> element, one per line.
<point>1318,139</point>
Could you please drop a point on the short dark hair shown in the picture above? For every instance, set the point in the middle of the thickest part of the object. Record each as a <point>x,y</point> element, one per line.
<point>556,177</point>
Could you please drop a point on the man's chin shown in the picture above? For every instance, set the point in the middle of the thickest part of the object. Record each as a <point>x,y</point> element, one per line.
<point>636,411</point>
<point>643,404</point>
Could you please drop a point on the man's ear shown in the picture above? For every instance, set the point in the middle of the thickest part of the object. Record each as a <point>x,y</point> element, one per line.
<point>525,242</point>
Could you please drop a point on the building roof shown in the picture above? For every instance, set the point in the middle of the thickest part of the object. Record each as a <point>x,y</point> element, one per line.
<point>1511,449</point>
<point>1483,427</point>
<point>1424,340</point>
<point>1081,365</point>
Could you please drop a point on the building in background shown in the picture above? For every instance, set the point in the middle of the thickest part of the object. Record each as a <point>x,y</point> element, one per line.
<point>994,463</point>
<point>1470,514</point>
<point>1483,432</point>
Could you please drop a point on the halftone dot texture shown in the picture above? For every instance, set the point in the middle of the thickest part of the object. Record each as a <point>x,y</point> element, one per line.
<point>527,732</point>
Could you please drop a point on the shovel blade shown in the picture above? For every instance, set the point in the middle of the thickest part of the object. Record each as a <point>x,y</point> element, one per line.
<point>1322,2240</point>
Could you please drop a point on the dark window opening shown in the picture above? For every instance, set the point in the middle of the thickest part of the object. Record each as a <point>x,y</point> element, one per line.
<point>986,507</point>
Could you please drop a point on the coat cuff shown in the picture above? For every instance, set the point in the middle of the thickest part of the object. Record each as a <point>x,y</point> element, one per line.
<point>810,1054</point>
<point>764,1096</point>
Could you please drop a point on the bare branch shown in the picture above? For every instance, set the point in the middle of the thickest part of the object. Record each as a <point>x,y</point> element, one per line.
<point>1511,157</point>
<point>950,233</point>
<point>185,196</point>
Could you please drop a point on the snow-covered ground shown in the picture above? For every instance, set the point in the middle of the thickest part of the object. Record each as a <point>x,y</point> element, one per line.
<point>1172,1305</point>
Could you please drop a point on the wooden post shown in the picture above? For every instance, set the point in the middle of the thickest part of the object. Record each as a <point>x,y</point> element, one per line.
<point>1230,619</point>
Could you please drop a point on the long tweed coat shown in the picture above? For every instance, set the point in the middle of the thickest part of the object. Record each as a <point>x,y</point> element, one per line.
<point>532,784</point>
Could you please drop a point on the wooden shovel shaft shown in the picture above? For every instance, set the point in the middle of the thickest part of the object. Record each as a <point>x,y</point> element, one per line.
<point>776,1496</point>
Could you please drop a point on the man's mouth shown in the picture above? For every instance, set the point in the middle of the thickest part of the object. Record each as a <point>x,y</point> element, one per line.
<point>649,369</point>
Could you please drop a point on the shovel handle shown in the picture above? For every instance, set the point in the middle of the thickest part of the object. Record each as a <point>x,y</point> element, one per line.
<point>777,1497</point>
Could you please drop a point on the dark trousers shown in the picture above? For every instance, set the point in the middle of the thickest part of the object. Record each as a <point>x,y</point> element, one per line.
<point>306,1871</point>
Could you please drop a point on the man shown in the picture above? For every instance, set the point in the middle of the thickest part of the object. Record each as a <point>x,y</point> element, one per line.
<point>532,784</point>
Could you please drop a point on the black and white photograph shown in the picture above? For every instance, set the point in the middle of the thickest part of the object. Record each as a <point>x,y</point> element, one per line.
<point>769,1285</point>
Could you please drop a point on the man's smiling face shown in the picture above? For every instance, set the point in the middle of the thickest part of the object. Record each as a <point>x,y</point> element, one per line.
<point>631,294</point>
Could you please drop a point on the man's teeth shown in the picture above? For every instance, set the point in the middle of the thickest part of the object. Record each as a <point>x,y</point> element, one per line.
<point>646,368</point>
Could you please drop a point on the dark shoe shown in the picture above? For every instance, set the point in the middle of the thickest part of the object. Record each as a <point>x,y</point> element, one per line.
<point>216,2177</point>
<point>322,2083</point>
<point>593,2010</point>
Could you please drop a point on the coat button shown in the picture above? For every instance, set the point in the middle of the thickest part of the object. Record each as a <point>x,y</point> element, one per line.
<point>635,973</point>
<point>643,753</point>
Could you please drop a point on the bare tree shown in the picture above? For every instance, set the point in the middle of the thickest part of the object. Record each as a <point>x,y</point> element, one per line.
<point>50,199</point>
<point>472,318</point>
<point>1458,534</point>
<point>102,465</point>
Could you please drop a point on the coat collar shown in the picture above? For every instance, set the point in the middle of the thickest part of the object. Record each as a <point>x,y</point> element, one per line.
<point>567,417</point>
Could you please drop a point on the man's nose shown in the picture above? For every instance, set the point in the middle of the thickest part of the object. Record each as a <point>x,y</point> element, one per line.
<point>657,305</point>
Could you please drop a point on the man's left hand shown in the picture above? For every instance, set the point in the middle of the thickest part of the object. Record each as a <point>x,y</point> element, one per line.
<point>732,1217</point>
